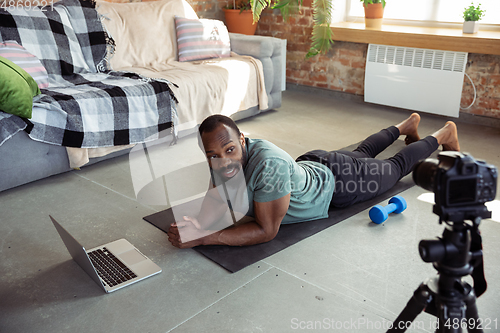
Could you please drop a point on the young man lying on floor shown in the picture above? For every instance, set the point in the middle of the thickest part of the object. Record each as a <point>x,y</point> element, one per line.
<point>283,190</point>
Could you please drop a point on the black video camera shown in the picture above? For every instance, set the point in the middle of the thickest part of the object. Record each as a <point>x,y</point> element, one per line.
<point>461,185</point>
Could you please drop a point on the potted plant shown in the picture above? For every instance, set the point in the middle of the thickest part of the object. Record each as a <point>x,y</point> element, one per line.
<point>239,17</point>
<point>471,17</point>
<point>374,13</point>
<point>321,36</point>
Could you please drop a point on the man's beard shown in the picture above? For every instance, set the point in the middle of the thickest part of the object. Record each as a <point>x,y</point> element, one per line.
<point>233,168</point>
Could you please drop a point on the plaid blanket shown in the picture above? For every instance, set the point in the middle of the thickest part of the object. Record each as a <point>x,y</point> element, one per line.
<point>86,105</point>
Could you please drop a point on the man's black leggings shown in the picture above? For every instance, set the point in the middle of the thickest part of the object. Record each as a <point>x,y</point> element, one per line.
<point>359,176</point>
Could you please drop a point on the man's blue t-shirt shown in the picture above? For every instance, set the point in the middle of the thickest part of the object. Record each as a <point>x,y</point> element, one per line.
<point>271,173</point>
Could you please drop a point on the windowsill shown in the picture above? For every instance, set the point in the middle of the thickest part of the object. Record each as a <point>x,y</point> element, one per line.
<point>485,42</point>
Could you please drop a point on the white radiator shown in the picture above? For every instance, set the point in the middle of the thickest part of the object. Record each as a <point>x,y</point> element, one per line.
<point>416,79</point>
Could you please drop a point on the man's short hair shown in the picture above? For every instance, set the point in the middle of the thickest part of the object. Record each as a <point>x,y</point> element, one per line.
<point>212,122</point>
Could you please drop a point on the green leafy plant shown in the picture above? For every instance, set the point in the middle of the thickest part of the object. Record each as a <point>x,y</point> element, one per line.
<point>472,13</point>
<point>241,5</point>
<point>321,37</point>
<point>366,2</point>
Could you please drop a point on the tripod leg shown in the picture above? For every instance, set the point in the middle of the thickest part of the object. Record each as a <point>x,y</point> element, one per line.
<point>474,324</point>
<point>450,318</point>
<point>460,316</point>
<point>417,303</point>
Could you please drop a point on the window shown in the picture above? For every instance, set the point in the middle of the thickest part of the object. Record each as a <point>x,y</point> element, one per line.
<point>428,12</point>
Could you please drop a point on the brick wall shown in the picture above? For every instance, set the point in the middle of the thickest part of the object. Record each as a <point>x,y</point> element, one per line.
<point>484,71</point>
<point>343,68</point>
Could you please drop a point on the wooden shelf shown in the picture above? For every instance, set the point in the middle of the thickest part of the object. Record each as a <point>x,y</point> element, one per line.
<point>485,42</point>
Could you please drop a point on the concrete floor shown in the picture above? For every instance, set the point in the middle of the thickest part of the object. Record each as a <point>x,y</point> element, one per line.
<point>355,276</point>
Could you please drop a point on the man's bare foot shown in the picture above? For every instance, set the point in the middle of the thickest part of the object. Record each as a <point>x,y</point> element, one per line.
<point>448,137</point>
<point>409,127</point>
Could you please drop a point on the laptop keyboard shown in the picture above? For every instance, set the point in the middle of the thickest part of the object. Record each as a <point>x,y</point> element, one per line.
<point>111,270</point>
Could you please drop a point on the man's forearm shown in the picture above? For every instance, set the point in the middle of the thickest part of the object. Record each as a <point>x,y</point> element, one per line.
<point>212,210</point>
<point>249,233</point>
<point>268,217</point>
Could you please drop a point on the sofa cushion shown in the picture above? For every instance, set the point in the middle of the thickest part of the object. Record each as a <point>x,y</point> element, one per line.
<point>20,56</point>
<point>148,37</point>
<point>201,39</point>
<point>17,89</point>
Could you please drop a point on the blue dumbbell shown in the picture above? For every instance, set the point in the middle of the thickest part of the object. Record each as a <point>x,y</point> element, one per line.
<point>379,214</point>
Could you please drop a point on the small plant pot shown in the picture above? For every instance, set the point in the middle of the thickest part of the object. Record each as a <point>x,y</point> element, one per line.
<point>471,27</point>
<point>374,13</point>
<point>241,22</point>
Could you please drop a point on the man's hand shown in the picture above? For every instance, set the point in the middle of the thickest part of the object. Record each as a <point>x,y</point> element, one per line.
<point>186,234</point>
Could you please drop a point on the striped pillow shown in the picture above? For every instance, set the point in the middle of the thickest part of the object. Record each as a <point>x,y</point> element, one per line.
<point>20,56</point>
<point>201,39</point>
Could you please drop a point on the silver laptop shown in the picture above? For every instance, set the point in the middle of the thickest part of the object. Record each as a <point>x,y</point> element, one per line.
<point>112,266</point>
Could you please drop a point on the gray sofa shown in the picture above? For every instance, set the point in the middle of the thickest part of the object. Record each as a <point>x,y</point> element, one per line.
<point>23,160</point>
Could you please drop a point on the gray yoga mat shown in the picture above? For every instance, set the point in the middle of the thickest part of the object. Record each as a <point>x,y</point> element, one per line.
<point>235,258</point>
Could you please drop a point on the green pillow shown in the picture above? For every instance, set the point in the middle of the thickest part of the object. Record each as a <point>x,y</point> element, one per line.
<point>17,89</point>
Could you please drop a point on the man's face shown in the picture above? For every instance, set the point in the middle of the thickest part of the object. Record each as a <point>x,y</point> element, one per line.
<point>225,151</point>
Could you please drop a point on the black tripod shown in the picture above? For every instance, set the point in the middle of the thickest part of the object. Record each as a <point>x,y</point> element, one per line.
<point>453,301</point>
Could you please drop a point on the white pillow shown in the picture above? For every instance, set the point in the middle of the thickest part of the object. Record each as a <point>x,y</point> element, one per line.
<point>144,32</point>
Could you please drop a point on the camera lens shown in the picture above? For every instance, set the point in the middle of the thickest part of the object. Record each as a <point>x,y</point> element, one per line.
<point>424,173</point>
